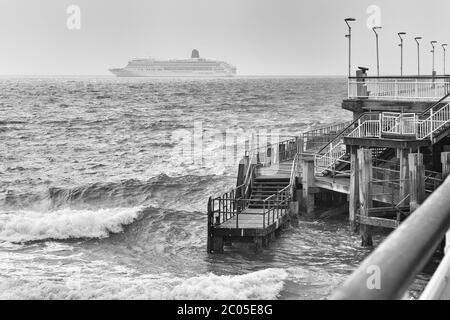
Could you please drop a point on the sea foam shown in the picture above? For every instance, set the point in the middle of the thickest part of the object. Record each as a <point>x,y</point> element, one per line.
<point>261,285</point>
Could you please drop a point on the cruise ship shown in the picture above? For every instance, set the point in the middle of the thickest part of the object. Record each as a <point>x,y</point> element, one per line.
<point>193,67</point>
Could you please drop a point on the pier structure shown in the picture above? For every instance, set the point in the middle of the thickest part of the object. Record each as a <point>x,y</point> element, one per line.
<point>379,167</point>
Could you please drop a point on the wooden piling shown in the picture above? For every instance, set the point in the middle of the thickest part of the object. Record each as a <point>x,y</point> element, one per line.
<point>365,198</point>
<point>445,160</point>
<point>218,244</point>
<point>416,180</point>
<point>354,188</point>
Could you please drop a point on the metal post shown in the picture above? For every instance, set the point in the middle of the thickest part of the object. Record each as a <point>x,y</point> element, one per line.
<point>432,51</point>
<point>401,51</point>
<point>378,53</point>
<point>418,54</point>
<point>349,36</point>
<point>444,45</point>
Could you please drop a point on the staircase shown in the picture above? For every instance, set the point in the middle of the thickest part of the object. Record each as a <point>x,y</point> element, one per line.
<point>264,187</point>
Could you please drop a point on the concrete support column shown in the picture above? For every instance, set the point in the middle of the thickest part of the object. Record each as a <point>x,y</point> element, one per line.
<point>354,188</point>
<point>308,185</point>
<point>404,173</point>
<point>365,197</point>
<point>416,180</point>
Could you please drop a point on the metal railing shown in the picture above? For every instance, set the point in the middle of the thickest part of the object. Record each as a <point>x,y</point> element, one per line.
<point>317,138</point>
<point>335,150</point>
<point>275,206</point>
<point>416,240</point>
<point>428,127</point>
<point>408,124</point>
<point>367,129</point>
<point>329,160</point>
<point>398,123</point>
<point>398,88</point>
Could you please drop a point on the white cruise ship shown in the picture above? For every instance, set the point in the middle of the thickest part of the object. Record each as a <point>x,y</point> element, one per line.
<point>193,67</point>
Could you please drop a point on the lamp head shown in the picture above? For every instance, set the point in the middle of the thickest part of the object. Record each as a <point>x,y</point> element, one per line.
<point>347,20</point>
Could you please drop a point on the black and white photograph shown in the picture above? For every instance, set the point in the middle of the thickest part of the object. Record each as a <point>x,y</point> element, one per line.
<point>227,156</point>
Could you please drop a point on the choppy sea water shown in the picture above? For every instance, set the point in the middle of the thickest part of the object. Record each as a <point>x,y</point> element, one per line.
<point>97,201</point>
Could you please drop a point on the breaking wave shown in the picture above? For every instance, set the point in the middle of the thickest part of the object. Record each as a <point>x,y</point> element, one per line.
<point>161,190</point>
<point>25,226</point>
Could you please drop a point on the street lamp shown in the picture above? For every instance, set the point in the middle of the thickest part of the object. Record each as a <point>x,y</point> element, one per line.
<point>378,52</point>
<point>418,54</point>
<point>432,51</point>
<point>444,45</point>
<point>349,36</point>
<point>400,34</point>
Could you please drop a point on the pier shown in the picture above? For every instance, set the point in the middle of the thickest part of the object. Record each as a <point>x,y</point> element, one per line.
<point>378,167</point>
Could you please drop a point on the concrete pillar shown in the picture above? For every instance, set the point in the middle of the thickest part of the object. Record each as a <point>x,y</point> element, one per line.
<point>354,188</point>
<point>365,197</point>
<point>308,184</point>
<point>404,173</point>
<point>416,180</point>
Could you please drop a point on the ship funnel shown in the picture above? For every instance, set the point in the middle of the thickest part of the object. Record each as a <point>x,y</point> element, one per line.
<point>195,54</point>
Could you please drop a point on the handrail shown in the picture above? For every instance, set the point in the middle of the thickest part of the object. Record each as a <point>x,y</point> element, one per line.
<point>345,129</point>
<point>398,77</point>
<point>416,240</point>
<point>258,149</point>
<point>435,104</point>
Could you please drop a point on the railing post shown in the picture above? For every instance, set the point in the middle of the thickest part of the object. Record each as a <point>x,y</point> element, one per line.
<point>365,193</point>
<point>416,90</point>
<point>379,124</point>
<point>264,214</point>
<point>416,180</point>
<point>396,94</point>
<point>431,124</point>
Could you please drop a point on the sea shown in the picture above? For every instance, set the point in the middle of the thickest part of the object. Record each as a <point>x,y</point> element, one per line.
<point>104,184</point>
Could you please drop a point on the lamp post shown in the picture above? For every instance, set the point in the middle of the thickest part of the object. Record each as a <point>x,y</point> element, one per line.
<point>444,45</point>
<point>418,54</point>
<point>400,34</point>
<point>349,36</point>
<point>432,51</point>
<point>378,52</point>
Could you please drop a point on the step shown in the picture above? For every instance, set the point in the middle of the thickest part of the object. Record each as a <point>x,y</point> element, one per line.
<point>267,180</point>
<point>270,187</point>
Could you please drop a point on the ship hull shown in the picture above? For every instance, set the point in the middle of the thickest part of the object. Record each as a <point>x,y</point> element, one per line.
<point>167,74</point>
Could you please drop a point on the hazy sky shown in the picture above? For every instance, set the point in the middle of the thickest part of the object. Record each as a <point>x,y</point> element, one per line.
<point>260,37</point>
